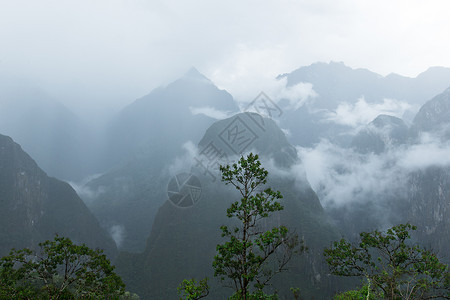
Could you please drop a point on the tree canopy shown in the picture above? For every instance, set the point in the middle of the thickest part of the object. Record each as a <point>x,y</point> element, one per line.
<point>252,254</point>
<point>59,270</point>
<point>394,268</point>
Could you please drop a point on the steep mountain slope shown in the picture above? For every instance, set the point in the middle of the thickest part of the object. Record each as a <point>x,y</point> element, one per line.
<point>183,239</point>
<point>434,116</point>
<point>429,190</point>
<point>148,136</point>
<point>49,131</point>
<point>35,207</point>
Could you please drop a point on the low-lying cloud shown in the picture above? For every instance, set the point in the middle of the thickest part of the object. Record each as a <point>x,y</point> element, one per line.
<point>341,176</point>
<point>117,233</point>
<point>362,112</point>
<point>210,112</point>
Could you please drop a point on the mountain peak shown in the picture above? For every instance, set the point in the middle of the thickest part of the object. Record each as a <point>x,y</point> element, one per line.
<point>246,132</point>
<point>193,73</point>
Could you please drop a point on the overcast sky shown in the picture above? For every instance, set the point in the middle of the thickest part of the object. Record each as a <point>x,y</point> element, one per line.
<point>111,51</point>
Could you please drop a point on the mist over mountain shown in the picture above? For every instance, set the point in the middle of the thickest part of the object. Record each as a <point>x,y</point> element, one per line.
<point>35,207</point>
<point>383,133</point>
<point>347,98</point>
<point>349,149</point>
<point>145,138</point>
<point>392,174</point>
<point>191,232</point>
<point>434,117</point>
<point>59,141</point>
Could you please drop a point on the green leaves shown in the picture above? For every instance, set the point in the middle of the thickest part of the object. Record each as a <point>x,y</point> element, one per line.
<point>60,270</point>
<point>397,269</point>
<point>244,259</point>
<point>193,290</point>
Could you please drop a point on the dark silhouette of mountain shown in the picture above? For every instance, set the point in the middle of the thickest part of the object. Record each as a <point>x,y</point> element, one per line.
<point>192,233</point>
<point>382,133</point>
<point>61,144</point>
<point>429,207</point>
<point>146,137</point>
<point>429,189</point>
<point>35,207</point>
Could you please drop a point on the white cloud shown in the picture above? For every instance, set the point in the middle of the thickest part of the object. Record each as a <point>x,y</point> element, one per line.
<point>184,162</point>
<point>430,152</point>
<point>298,95</point>
<point>210,112</point>
<point>362,112</point>
<point>341,176</point>
<point>118,233</point>
<point>84,191</point>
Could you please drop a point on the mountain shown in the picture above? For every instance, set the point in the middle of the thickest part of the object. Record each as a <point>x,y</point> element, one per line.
<point>145,139</point>
<point>58,140</point>
<point>384,132</point>
<point>429,207</point>
<point>191,231</point>
<point>167,117</point>
<point>419,191</point>
<point>429,188</point>
<point>35,207</point>
<point>335,84</point>
<point>434,116</point>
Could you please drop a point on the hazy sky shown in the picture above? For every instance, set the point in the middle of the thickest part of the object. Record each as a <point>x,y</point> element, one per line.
<point>109,52</point>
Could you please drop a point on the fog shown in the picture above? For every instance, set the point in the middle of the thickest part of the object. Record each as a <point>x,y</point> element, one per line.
<point>97,56</point>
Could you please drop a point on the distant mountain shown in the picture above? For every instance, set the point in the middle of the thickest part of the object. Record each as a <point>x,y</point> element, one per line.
<point>35,207</point>
<point>167,117</point>
<point>422,194</point>
<point>335,83</point>
<point>49,131</point>
<point>385,132</point>
<point>192,233</point>
<point>434,116</point>
<point>145,139</point>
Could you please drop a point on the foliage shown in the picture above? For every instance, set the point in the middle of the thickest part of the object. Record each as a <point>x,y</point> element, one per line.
<point>193,290</point>
<point>296,293</point>
<point>396,269</point>
<point>257,295</point>
<point>364,293</point>
<point>60,270</point>
<point>252,255</point>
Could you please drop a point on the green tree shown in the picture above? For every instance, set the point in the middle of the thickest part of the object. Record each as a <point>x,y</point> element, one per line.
<point>252,255</point>
<point>193,290</point>
<point>59,270</point>
<point>365,292</point>
<point>395,269</point>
